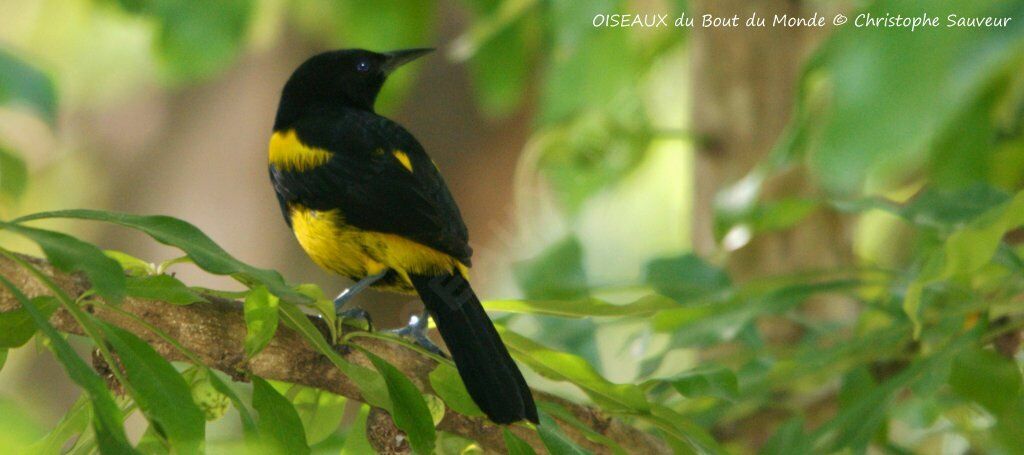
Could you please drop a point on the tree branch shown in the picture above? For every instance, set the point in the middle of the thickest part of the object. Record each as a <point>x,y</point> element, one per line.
<point>215,332</point>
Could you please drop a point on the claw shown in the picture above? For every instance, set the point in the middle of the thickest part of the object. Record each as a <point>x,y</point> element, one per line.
<point>416,331</point>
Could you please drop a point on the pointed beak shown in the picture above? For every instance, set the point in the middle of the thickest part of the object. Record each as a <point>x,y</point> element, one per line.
<point>395,59</point>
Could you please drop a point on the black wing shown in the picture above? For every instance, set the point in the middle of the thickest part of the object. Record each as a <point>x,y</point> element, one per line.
<point>371,187</point>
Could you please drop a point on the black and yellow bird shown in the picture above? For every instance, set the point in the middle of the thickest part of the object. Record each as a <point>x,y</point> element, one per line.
<point>365,201</point>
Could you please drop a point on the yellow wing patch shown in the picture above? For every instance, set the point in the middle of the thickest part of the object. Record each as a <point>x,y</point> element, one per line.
<point>403,158</point>
<point>288,153</point>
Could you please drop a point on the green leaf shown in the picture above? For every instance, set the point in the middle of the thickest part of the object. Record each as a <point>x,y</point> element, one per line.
<point>13,174</point>
<point>195,40</point>
<point>788,438</point>
<point>106,416</point>
<point>279,424</point>
<point>132,265</point>
<point>554,439</point>
<point>436,407</point>
<point>563,414</point>
<point>685,277</point>
<point>562,366</point>
<point>497,38</point>
<point>987,378</point>
<point>163,288</point>
<point>591,153</point>
<point>781,214</point>
<point>556,274</point>
<point>21,84</point>
<point>758,216</point>
<point>73,423</point>
<point>448,385</point>
<point>965,251</point>
<point>70,255</point>
<point>952,208</point>
<point>887,104</point>
<point>20,426</point>
<point>492,19</point>
<point>319,410</point>
<point>972,247</point>
<point>1009,430</point>
<point>152,443</point>
<point>159,390</point>
<point>324,305</point>
<point>248,423</point>
<point>707,381</point>
<point>390,24</point>
<point>683,435</point>
<point>589,67</point>
<point>722,318</point>
<point>355,440</point>
<point>17,327</point>
<point>177,233</point>
<point>514,445</point>
<point>581,308</point>
<point>260,320</point>
<point>858,422</point>
<point>371,385</point>
<point>408,409</point>
<point>967,152</point>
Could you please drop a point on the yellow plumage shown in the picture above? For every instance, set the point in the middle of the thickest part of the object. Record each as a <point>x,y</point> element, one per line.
<point>288,153</point>
<point>353,252</point>
<point>403,158</point>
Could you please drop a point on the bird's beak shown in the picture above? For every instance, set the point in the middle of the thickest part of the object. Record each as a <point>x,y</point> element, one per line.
<point>395,59</point>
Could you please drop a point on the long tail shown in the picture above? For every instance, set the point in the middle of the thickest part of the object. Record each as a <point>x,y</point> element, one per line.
<point>490,375</point>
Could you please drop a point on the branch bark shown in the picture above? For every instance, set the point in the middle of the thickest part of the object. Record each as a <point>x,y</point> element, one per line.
<point>215,332</point>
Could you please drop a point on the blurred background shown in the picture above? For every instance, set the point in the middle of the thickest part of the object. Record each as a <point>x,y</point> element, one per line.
<point>588,161</point>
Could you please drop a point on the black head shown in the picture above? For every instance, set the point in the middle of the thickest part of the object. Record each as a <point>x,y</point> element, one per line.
<point>349,78</point>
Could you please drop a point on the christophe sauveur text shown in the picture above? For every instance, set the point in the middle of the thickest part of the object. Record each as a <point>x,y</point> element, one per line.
<point>862,20</point>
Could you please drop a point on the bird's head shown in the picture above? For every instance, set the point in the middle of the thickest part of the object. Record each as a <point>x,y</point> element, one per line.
<point>343,78</point>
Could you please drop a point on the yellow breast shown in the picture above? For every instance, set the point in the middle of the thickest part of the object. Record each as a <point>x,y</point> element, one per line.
<point>355,253</point>
<point>288,153</point>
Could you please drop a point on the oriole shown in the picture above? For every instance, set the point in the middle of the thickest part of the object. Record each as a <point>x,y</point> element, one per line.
<point>366,202</point>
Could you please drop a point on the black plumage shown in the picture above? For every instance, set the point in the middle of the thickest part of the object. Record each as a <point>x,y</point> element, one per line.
<point>366,201</point>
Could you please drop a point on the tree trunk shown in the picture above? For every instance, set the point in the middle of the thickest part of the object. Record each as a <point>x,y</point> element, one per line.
<point>744,86</point>
<point>744,83</point>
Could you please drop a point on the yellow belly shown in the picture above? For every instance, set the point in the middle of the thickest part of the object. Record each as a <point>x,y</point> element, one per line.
<point>356,253</point>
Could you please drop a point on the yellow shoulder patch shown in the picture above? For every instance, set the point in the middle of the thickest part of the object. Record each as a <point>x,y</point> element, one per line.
<point>403,158</point>
<point>288,153</point>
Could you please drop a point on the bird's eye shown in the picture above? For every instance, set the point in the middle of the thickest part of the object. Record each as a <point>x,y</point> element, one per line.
<point>363,66</point>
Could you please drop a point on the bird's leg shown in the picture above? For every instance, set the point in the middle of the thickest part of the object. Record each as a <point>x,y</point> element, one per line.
<point>360,285</point>
<point>347,294</point>
<point>417,332</point>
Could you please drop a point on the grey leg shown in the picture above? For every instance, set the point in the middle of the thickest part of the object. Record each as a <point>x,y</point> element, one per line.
<point>417,332</point>
<point>360,285</point>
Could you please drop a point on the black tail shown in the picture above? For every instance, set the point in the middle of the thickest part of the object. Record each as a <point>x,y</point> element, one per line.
<point>490,375</point>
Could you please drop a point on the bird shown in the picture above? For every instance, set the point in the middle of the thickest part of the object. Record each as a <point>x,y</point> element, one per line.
<point>366,202</point>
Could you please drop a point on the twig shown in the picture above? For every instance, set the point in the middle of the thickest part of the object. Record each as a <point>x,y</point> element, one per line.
<point>215,332</point>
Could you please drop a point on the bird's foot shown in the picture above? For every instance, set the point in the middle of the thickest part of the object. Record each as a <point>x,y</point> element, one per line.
<point>355,317</point>
<point>416,331</point>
